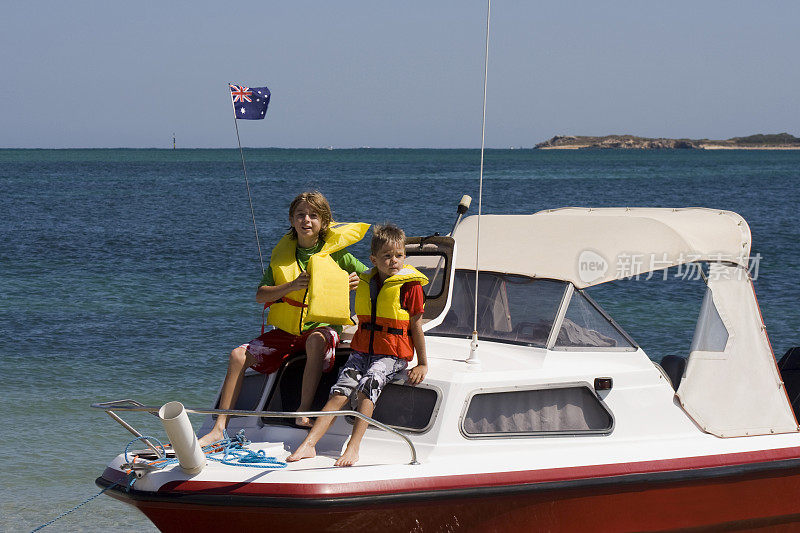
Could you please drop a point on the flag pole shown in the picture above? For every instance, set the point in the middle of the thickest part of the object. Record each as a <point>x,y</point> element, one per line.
<point>247,183</point>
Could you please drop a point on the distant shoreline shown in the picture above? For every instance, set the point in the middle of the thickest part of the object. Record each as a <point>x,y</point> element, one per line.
<point>778,141</point>
<point>718,147</point>
<point>702,147</point>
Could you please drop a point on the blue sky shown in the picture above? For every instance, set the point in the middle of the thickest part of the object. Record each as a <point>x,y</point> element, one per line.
<point>394,74</point>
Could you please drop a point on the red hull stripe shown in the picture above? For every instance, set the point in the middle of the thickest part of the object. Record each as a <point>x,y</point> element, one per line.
<point>471,481</point>
<point>745,502</point>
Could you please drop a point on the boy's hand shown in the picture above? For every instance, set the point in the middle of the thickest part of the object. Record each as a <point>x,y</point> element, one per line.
<point>417,374</point>
<point>353,281</point>
<point>301,281</point>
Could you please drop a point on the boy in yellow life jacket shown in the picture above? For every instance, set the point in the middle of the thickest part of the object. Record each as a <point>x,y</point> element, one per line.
<point>389,305</point>
<point>284,288</point>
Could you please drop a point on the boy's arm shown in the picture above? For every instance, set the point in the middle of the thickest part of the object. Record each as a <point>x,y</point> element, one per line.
<point>417,374</point>
<point>271,293</point>
<point>349,264</point>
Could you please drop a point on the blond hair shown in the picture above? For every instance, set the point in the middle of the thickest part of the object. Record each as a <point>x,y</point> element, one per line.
<point>386,234</point>
<point>319,204</point>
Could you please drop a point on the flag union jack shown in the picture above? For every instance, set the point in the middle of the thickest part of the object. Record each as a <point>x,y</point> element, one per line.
<point>241,94</point>
<point>249,103</point>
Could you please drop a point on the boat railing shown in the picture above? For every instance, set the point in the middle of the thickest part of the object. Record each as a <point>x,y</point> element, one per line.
<point>133,406</point>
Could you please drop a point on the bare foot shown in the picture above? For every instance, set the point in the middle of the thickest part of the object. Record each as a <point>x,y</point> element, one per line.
<point>305,451</point>
<point>211,437</point>
<point>348,458</point>
<point>303,422</point>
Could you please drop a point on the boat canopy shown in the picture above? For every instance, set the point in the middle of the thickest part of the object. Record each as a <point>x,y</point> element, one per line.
<point>588,246</point>
<point>732,386</point>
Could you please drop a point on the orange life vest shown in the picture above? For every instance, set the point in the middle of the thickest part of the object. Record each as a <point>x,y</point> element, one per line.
<point>382,322</point>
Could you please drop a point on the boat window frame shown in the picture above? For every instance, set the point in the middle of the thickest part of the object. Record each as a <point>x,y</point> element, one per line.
<point>436,244</point>
<point>567,286</point>
<point>445,269</point>
<point>434,412</point>
<point>551,343</point>
<point>541,386</point>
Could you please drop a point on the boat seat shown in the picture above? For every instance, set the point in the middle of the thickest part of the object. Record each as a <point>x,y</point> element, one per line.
<point>285,395</point>
<point>674,367</point>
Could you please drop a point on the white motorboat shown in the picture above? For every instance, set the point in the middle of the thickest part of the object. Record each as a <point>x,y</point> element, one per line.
<point>561,423</point>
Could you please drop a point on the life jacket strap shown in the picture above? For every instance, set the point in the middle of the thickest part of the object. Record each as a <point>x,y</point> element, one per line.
<point>369,326</point>
<point>285,300</point>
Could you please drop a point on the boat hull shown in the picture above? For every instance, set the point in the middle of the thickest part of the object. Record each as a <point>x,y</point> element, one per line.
<point>745,498</point>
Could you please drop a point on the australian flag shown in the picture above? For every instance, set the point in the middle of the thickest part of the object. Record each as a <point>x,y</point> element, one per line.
<point>249,103</point>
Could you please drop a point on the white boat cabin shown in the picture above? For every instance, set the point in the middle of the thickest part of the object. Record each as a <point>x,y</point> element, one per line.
<point>552,361</point>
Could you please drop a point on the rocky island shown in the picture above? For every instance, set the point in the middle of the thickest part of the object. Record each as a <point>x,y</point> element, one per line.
<point>776,141</point>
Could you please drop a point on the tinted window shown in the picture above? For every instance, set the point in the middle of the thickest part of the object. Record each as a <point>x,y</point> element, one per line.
<point>551,410</point>
<point>585,326</point>
<point>710,334</point>
<point>405,407</point>
<point>511,307</point>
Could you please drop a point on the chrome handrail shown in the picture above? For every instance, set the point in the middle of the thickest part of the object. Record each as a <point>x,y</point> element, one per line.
<point>133,405</point>
<point>127,426</point>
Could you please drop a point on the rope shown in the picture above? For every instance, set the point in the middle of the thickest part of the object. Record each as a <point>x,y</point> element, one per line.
<point>62,515</point>
<point>142,438</point>
<point>235,454</point>
<point>228,451</point>
<point>249,458</point>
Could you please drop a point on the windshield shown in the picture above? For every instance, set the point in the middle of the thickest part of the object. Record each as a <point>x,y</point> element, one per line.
<point>511,308</point>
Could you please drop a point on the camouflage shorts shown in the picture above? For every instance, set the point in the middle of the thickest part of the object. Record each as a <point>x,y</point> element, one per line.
<point>367,374</point>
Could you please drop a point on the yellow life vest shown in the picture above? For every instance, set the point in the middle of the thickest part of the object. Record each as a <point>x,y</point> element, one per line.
<point>327,297</point>
<point>382,322</point>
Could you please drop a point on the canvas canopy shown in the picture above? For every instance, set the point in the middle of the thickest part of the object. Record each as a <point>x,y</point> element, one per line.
<point>591,246</point>
<point>732,386</point>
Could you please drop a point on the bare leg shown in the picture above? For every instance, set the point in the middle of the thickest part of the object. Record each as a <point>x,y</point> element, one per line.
<point>239,361</point>
<point>323,423</point>
<point>350,455</point>
<point>315,357</point>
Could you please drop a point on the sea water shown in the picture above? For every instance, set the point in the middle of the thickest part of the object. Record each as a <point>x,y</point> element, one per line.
<point>132,273</point>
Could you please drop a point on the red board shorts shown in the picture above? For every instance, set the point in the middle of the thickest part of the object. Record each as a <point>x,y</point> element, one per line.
<point>273,347</point>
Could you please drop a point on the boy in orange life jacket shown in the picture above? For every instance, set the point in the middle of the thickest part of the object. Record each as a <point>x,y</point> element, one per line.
<point>389,305</point>
<point>283,284</point>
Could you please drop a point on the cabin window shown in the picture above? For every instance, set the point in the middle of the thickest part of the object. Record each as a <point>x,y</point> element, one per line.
<point>710,334</point>
<point>511,308</point>
<point>574,408</point>
<point>435,267</point>
<point>586,326</point>
<point>406,407</point>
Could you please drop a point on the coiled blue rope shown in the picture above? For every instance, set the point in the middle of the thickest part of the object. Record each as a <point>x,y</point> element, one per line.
<point>235,454</point>
<point>257,459</point>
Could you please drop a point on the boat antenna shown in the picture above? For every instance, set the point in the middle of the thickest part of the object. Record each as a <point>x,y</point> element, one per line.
<point>463,207</point>
<point>473,347</point>
<point>247,183</point>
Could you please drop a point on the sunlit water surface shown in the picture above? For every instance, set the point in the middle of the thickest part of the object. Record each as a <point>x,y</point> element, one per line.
<point>131,273</point>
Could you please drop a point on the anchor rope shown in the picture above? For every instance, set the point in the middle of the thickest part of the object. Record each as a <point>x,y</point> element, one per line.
<point>229,451</point>
<point>84,502</point>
